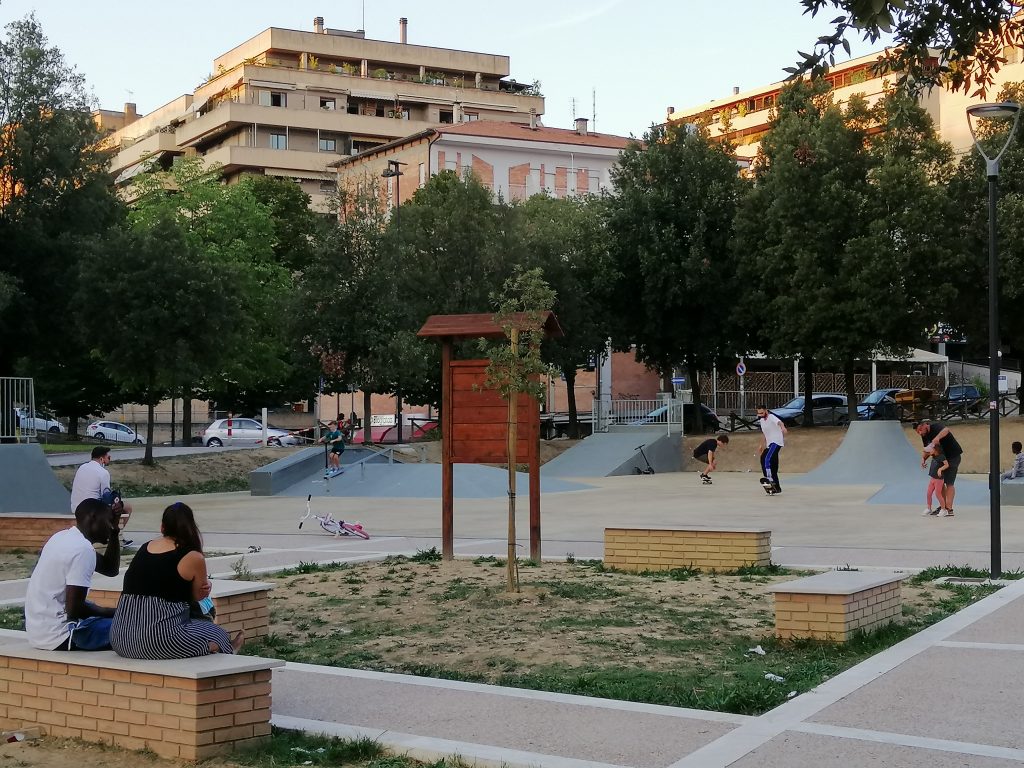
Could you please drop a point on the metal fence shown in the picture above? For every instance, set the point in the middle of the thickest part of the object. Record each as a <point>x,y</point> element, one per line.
<point>637,413</point>
<point>17,399</point>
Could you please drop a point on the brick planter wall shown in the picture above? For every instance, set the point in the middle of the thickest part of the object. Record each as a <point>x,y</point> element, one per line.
<point>662,549</point>
<point>835,605</point>
<point>188,709</point>
<point>240,604</point>
<point>30,532</point>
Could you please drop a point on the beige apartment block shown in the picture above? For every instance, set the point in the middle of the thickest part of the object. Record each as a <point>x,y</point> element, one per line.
<point>749,112</point>
<point>290,103</point>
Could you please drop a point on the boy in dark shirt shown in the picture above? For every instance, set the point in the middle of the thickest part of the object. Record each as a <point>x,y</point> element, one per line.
<point>706,452</point>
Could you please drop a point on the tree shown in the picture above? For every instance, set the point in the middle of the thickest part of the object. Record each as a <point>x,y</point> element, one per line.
<point>969,37</point>
<point>671,223</point>
<point>515,369</point>
<point>568,239</point>
<point>54,195</point>
<point>162,330</point>
<point>841,237</point>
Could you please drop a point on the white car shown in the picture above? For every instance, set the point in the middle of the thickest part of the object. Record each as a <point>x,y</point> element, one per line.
<point>41,422</point>
<point>243,431</point>
<point>113,431</point>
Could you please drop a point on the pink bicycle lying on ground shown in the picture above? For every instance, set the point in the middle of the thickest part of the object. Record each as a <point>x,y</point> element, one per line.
<point>332,526</point>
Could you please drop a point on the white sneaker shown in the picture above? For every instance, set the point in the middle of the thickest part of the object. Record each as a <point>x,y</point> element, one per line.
<point>927,512</point>
<point>945,513</point>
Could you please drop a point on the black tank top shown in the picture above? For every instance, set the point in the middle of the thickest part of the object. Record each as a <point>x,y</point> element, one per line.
<point>157,575</point>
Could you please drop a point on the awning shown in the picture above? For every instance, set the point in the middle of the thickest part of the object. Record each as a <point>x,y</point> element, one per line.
<point>372,95</point>
<point>272,84</point>
<point>291,174</point>
<point>377,139</point>
<point>915,356</point>
<point>130,171</point>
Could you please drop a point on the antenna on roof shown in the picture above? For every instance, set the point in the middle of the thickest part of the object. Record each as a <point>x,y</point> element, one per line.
<point>593,109</point>
<point>573,107</point>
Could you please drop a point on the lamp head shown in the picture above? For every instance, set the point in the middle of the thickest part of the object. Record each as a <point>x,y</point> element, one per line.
<point>1000,111</point>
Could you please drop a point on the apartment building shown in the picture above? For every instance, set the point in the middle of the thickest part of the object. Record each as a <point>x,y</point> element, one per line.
<point>514,160</point>
<point>744,116</point>
<point>290,103</point>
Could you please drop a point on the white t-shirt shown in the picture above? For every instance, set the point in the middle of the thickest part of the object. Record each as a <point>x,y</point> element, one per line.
<point>771,428</point>
<point>91,480</point>
<point>67,559</point>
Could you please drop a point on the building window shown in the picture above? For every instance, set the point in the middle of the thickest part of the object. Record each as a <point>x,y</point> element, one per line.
<point>273,99</point>
<point>352,108</point>
<point>326,103</point>
<point>328,187</point>
<point>279,141</point>
<point>470,117</point>
<point>328,145</point>
<point>446,116</point>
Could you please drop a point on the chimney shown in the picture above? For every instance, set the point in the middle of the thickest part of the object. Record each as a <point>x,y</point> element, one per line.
<point>130,113</point>
<point>403,30</point>
<point>318,25</point>
<point>669,111</point>
<point>581,126</point>
<point>533,118</point>
<point>735,90</point>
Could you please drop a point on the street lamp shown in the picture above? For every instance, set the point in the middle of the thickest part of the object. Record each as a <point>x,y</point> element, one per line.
<point>1002,111</point>
<point>394,171</point>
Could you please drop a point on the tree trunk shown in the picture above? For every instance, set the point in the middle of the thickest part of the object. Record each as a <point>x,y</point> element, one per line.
<point>808,391</point>
<point>851,392</point>
<point>367,412</point>
<point>512,435</point>
<point>698,412</point>
<point>186,416</point>
<point>147,459</point>
<point>573,430</point>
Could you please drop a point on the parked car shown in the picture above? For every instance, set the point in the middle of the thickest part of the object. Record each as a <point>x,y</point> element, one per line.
<point>41,421</point>
<point>962,393</point>
<point>711,421</point>
<point>880,404</point>
<point>244,431</point>
<point>829,408</point>
<point>114,431</point>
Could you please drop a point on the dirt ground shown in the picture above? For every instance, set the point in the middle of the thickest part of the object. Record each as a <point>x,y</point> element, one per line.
<point>66,753</point>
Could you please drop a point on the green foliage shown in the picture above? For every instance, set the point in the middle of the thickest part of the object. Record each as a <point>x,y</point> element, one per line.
<point>426,556</point>
<point>295,748</point>
<point>12,618</point>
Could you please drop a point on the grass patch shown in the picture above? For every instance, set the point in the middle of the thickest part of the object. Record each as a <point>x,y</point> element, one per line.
<point>293,748</point>
<point>221,485</point>
<point>959,572</point>
<point>12,618</point>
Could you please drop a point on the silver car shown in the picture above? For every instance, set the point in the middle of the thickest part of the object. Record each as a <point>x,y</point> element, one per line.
<point>244,431</point>
<point>113,431</point>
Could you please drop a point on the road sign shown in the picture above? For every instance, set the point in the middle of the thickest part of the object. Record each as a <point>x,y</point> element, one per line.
<point>678,379</point>
<point>740,368</point>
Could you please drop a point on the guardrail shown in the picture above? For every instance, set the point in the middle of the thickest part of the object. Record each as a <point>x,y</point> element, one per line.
<point>638,413</point>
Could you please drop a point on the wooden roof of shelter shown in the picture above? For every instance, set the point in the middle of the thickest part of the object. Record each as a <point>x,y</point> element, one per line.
<point>479,326</point>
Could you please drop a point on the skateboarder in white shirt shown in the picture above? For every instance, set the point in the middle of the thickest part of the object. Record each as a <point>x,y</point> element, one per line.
<point>92,481</point>
<point>773,437</point>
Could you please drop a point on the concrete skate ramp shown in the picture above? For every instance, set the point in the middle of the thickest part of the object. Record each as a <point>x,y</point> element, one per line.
<point>422,481</point>
<point>615,453</point>
<point>28,483</point>
<point>877,453</point>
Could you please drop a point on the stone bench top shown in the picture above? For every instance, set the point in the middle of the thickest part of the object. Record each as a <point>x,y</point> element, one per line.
<point>837,583</point>
<point>214,665</point>
<point>678,528</point>
<point>221,587</point>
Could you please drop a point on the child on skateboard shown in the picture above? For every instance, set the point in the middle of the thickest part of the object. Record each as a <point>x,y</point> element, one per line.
<point>335,442</point>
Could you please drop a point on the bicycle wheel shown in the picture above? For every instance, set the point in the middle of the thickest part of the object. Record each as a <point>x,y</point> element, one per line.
<point>332,527</point>
<point>354,530</point>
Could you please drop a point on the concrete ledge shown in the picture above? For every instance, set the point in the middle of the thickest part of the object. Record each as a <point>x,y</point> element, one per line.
<point>663,549</point>
<point>240,604</point>
<point>278,475</point>
<point>1011,492</point>
<point>30,531</point>
<point>835,605</point>
<point>188,709</point>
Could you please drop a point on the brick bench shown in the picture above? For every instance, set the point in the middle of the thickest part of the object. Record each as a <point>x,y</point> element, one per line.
<point>188,709</point>
<point>30,531</point>
<point>834,605</point>
<point>663,549</point>
<point>240,604</point>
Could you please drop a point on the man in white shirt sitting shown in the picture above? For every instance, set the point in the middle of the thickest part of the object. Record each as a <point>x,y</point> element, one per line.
<point>92,481</point>
<point>57,615</point>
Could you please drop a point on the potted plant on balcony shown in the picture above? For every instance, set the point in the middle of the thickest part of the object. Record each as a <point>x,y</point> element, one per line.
<point>380,73</point>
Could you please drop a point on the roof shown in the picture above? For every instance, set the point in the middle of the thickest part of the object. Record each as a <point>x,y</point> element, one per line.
<point>497,129</point>
<point>477,326</point>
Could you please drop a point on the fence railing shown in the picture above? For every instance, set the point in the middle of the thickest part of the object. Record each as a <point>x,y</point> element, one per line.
<point>638,413</point>
<point>17,400</point>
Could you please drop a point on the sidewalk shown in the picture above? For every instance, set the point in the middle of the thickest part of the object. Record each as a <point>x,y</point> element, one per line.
<point>948,696</point>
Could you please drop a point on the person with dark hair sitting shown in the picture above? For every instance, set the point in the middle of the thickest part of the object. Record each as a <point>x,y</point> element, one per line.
<point>1017,470</point>
<point>153,618</point>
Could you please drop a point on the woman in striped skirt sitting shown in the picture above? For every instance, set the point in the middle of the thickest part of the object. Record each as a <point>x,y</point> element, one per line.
<point>153,620</point>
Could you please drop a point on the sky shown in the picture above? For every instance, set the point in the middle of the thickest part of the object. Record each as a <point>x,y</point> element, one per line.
<point>633,58</point>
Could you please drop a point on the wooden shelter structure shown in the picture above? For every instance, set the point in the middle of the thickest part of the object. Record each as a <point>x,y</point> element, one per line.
<point>474,419</point>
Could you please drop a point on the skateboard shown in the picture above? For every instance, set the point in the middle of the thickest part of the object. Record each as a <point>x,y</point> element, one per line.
<point>332,473</point>
<point>705,479</point>
<point>767,485</point>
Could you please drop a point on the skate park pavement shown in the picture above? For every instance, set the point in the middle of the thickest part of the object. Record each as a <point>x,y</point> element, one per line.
<point>948,696</point>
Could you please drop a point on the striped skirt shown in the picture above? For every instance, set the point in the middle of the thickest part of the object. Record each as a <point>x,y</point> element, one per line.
<point>147,627</point>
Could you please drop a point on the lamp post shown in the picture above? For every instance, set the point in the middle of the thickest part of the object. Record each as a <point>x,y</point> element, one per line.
<point>394,171</point>
<point>1001,111</point>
